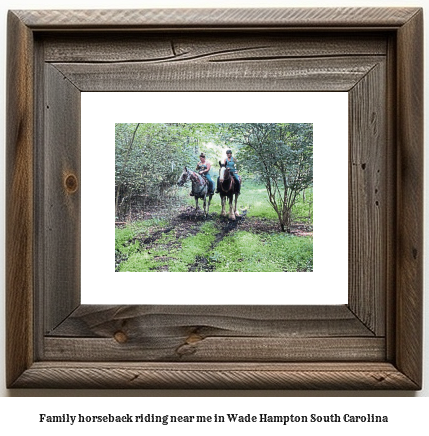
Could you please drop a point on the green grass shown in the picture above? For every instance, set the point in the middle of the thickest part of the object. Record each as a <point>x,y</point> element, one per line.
<point>238,251</point>
<point>303,210</point>
<point>123,240</point>
<point>171,253</point>
<point>248,252</point>
<point>254,199</point>
<point>137,229</point>
<point>127,242</point>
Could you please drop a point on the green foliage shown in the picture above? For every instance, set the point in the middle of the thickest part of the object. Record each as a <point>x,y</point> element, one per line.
<point>150,157</point>
<point>281,156</point>
<point>275,161</point>
<point>302,210</point>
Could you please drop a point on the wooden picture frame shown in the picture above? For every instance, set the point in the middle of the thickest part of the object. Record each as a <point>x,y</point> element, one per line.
<point>373,342</point>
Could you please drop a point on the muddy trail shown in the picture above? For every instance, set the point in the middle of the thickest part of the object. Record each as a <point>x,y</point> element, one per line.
<point>224,227</point>
<point>188,222</point>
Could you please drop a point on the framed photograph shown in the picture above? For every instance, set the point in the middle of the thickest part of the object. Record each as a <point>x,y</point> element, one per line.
<point>157,227</point>
<point>59,60</point>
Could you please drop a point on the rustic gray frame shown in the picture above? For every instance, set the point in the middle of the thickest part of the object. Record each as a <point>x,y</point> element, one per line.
<point>373,342</point>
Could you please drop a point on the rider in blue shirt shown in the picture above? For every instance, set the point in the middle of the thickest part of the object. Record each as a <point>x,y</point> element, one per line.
<point>231,163</point>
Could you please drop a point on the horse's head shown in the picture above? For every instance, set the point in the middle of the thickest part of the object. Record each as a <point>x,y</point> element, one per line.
<point>223,172</point>
<point>184,177</point>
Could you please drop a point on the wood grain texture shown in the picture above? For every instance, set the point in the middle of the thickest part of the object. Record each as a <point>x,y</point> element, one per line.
<point>19,199</point>
<point>391,191</point>
<point>368,202</point>
<point>409,279</point>
<point>99,321</point>
<point>192,347</point>
<point>209,18</point>
<point>215,376</point>
<point>330,74</point>
<point>60,244</point>
<point>178,47</point>
<point>178,347</point>
<point>213,333</point>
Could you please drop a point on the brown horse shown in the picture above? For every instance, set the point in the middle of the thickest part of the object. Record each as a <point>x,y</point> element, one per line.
<point>228,188</point>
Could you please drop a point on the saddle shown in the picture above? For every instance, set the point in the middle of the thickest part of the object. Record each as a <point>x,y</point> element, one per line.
<point>236,188</point>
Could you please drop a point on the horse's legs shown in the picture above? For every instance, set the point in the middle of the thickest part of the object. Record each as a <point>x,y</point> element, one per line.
<point>196,203</point>
<point>204,204</point>
<point>235,205</point>
<point>208,204</point>
<point>231,210</point>
<point>223,201</point>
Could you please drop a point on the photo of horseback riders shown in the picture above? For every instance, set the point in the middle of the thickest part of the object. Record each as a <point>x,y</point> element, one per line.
<point>248,206</point>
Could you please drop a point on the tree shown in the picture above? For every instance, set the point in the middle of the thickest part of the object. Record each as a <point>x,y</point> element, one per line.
<point>149,158</point>
<point>282,155</point>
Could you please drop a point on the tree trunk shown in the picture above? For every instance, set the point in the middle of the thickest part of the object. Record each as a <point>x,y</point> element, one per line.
<point>285,221</point>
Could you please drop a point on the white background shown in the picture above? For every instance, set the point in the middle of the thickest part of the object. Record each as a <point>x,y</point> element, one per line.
<point>19,414</point>
<point>326,285</point>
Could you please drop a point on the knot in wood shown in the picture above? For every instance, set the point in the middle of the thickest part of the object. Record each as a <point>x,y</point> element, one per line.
<point>120,337</point>
<point>193,338</point>
<point>71,183</point>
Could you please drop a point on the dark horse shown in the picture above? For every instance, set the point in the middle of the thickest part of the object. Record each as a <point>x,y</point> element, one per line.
<point>228,188</point>
<point>200,187</point>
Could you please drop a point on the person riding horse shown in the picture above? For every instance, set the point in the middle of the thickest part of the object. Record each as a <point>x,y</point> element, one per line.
<point>203,168</point>
<point>231,163</point>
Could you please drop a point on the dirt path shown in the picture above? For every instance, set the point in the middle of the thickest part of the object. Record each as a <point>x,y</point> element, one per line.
<point>185,222</point>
